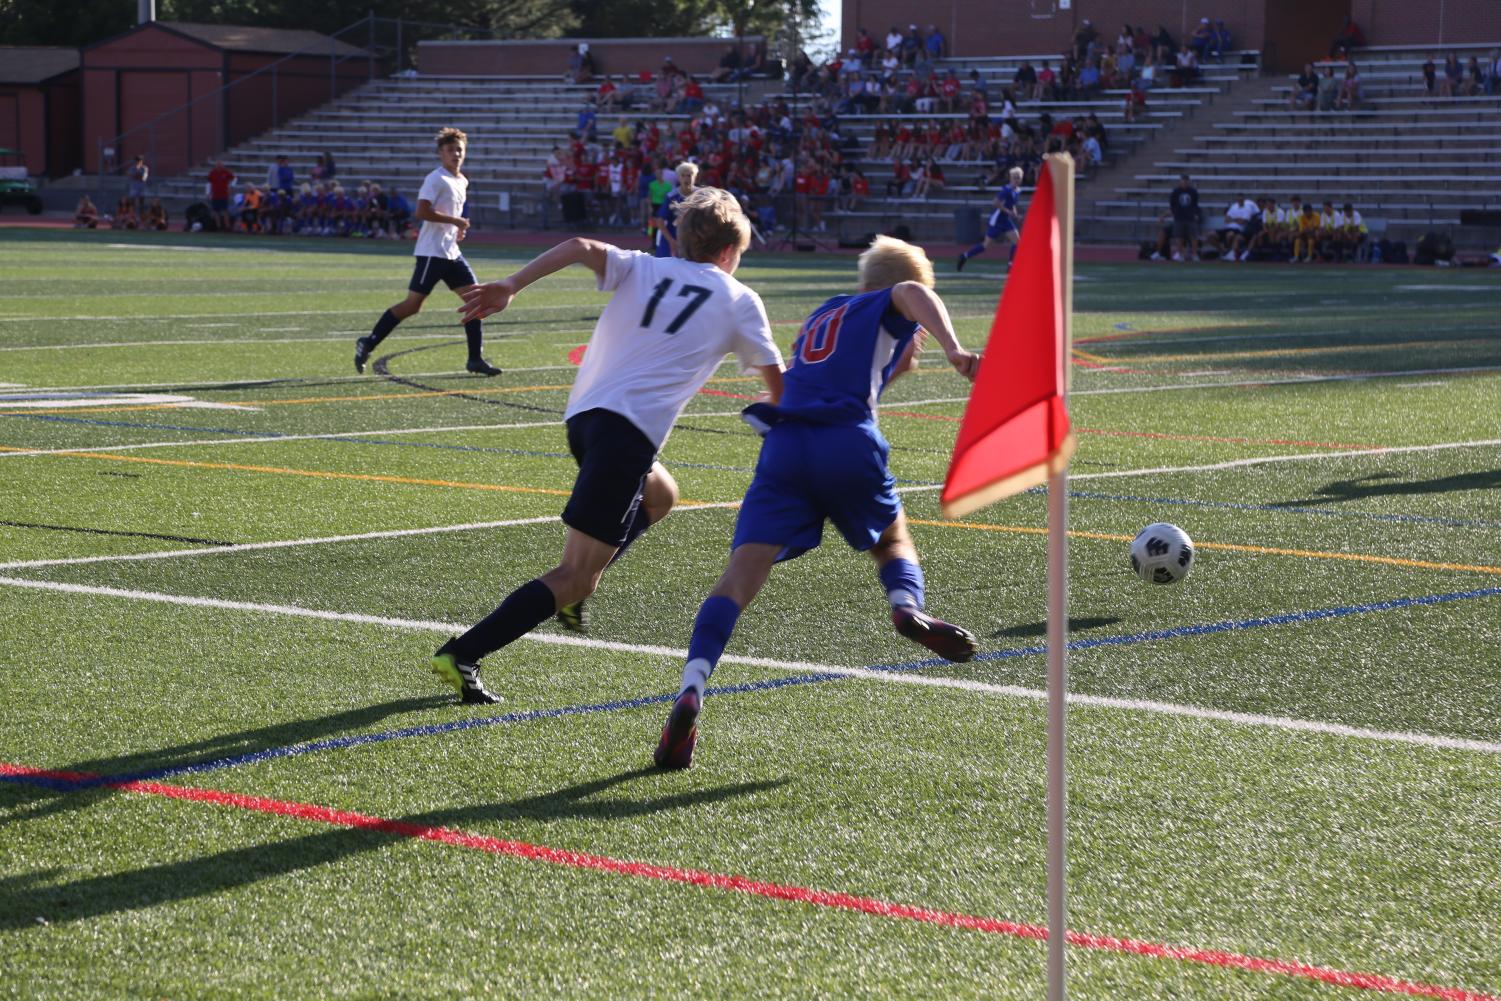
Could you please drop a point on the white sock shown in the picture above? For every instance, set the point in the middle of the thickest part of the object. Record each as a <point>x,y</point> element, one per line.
<point>901,597</point>
<point>696,676</point>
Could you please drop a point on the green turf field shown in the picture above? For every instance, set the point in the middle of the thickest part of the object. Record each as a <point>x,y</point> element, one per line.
<point>225,559</point>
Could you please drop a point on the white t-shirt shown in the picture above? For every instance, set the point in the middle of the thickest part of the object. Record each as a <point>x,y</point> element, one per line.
<point>1239,213</point>
<point>664,332</point>
<point>447,193</point>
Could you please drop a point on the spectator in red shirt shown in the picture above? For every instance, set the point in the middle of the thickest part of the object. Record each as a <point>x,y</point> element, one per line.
<point>1046,79</point>
<point>948,92</point>
<point>219,181</point>
<point>607,98</point>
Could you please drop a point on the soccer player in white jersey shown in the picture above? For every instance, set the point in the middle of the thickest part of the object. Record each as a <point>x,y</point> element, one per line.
<point>665,330</point>
<point>440,209</point>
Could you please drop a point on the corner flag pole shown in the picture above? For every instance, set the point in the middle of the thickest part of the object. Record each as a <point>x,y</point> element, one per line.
<point>1062,169</point>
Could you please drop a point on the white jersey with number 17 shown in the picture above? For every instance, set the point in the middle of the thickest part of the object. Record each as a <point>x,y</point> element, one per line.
<point>664,332</point>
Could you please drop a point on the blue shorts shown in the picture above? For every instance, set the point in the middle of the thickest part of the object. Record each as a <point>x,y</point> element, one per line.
<point>1000,227</point>
<point>810,473</point>
<point>427,272</point>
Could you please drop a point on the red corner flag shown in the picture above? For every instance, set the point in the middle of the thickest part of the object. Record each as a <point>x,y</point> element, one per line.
<point>1016,431</point>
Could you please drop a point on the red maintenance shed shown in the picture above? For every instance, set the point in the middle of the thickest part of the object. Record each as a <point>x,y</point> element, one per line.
<point>40,108</point>
<point>180,92</point>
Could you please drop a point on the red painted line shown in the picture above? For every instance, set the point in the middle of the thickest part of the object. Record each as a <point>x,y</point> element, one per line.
<point>775,891</point>
<point>721,392</point>
<point>576,356</point>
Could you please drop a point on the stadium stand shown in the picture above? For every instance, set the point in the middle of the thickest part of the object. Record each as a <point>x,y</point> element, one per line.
<point>1410,160</point>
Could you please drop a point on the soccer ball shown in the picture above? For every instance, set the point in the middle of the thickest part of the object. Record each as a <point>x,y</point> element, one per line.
<point>1162,554</point>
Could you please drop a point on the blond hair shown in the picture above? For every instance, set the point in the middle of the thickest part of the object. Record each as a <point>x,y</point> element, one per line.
<point>687,171</point>
<point>1016,174</point>
<point>890,261</point>
<point>448,136</point>
<point>709,220</point>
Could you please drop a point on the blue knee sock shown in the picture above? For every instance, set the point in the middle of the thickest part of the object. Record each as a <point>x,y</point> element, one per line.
<point>975,251</point>
<point>903,581</point>
<point>711,633</point>
<point>1012,257</point>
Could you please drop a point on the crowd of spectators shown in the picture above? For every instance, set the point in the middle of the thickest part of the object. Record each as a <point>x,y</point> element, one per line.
<point>1259,229</point>
<point>762,154</point>
<point>321,206</point>
<point>1463,79</point>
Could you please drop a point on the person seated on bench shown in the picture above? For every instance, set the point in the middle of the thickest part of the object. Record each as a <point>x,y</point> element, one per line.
<point>86,215</point>
<point>1349,89</point>
<point>1305,89</point>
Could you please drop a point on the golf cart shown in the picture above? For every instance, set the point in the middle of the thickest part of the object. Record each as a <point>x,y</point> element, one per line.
<point>15,187</point>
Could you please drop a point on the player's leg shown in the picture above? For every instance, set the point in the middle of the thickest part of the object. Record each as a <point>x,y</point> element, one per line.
<point>425,275</point>
<point>901,575</point>
<point>460,278</point>
<point>750,566</point>
<point>658,495</point>
<point>974,251</point>
<point>531,604</point>
<point>1014,238</point>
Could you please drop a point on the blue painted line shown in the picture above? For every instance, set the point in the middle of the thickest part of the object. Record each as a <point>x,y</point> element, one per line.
<point>1124,326</point>
<point>270,435</point>
<point>358,740</point>
<point>1283,508</point>
<point>56,419</point>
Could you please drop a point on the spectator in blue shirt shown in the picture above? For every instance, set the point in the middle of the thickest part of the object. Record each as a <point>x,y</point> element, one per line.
<point>399,211</point>
<point>281,177</point>
<point>911,43</point>
<point>935,42</point>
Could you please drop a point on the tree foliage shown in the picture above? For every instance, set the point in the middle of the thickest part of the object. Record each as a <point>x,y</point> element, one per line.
<point>83,22</point>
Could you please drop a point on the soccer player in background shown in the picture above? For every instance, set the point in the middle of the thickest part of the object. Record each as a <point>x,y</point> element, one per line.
<point>440,208</point>
<point>823,458</point>
<point>1005,220</point>
<point>667,227</point>
<point>667,327</point>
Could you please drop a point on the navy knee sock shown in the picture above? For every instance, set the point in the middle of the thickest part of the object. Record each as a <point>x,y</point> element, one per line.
<point>524,609</point>
<point>383,327</point>
<point>975,251</point>
<point>640,522</point>
<point>474,331</point>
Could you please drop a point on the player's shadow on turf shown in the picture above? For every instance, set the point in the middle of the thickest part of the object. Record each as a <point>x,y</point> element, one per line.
<point>22,901</point>
<point>1040,629</point>
<point>144,764</point>
<point>1387,485</point>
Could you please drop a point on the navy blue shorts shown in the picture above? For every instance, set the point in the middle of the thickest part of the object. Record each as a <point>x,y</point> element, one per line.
<point>810,473</point>
<point>1000,227</point>
<point>428,271</point>
<point>614,457</point>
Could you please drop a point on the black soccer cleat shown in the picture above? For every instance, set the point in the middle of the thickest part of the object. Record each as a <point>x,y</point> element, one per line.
<point>959,264</point>
<point>481,367</point>
<point>464,677</point>
<point>675,750</point>
<point>945,639</point>
<point>361,355</point>
<point>574,617</point>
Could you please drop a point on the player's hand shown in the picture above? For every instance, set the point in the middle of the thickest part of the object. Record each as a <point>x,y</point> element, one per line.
<point>463,224</point>
<point>966,363</point>
<point>481,301</point>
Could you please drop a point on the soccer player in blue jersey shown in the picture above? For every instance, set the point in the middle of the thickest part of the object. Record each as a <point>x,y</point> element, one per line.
<point>667,230</point>
<point>1005,220</point>
<point>824,459</point>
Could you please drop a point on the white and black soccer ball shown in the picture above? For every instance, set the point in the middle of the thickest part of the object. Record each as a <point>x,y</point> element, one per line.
<point>1162,554</point>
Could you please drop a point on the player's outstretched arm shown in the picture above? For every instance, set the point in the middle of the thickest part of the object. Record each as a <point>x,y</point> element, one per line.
<point>485,300</point>
<point>772,376</point>
<point>920,304</point>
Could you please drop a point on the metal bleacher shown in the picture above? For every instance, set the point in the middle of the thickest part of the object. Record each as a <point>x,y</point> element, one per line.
<point>1411,159</point>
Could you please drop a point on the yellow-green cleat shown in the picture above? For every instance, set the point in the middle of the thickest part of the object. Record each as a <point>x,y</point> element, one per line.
<point>574,617</point>
<point>462,676</point>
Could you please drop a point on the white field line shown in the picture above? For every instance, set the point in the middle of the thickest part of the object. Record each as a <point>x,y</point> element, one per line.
<point>116,318</point>
<point>393,533</point>
<point>864,674</point>
<point>266,383</point>
<point>267,439</point>
<point>215,341</point>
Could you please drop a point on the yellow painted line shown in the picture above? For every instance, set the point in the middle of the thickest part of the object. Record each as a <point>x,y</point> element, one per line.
<point>1097,359</point>
<point>1277,352</point>
<point>1311,554</point>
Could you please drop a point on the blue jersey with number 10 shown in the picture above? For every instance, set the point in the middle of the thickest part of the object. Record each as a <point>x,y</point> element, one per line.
<point>843,359</point>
